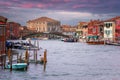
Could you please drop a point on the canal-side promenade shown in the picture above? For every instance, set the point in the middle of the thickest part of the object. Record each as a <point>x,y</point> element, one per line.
<point>72,61</point>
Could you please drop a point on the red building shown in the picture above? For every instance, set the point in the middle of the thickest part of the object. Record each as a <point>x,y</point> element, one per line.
<point>117,30</point>
<point>3,21</point>
<point>95,29</point>
<point>13,30</point>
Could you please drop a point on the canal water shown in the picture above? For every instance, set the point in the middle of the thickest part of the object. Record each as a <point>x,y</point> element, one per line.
<point>72,61</point>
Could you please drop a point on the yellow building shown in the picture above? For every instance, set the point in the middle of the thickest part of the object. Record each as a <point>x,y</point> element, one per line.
<point>44,24</point>
<point>82,29</point>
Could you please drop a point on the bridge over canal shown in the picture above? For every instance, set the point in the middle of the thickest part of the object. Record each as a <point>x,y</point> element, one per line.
<point>51,35</point>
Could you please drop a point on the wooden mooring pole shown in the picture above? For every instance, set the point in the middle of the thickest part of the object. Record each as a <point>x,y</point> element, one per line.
<point>27,58</point>
<point>17,58</point>
<point>4,61</point>
<point>36,56</point>
<point>45,59</point>
<point>10,58</point>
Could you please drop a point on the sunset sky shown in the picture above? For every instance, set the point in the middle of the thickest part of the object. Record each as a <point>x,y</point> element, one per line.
<point>67,11</point>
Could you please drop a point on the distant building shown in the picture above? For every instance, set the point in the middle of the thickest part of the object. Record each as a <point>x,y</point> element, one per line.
<point>101,30</point>
<point>82,29</point>
<point>117,30</point>
<point>24,31</point>
<point>3,21</point>
<point>12,30</point>
<point>112,29</point>
<point>44,24</point>
<point>93,30</point>
<point>68,30</point>
<point>93,27</point>
<point>109,31</point>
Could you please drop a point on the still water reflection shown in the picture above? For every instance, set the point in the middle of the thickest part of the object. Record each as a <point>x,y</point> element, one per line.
<point>72,61</point>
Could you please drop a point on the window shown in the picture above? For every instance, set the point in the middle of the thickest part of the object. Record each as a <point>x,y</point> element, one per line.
<point>94,30</point>
<point>0,46</point>
<point>118,22</point>
<point>107,32</point>
<point>2,30</point>
<point>108,25</point>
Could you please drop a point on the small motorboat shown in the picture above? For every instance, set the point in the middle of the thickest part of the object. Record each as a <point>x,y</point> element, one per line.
<point>70,40</point>
<point>17,66</point>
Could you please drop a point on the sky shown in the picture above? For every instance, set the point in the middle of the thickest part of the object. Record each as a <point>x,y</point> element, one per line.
<point>66,11</point>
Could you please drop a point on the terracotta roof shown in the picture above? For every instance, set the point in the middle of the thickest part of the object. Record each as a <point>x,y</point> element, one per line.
<point>83,23</point>
<point>3,19</point>
<point>65,26</point>
<point>94,22</point>
<point>113,19</point>
<point>43,19</point>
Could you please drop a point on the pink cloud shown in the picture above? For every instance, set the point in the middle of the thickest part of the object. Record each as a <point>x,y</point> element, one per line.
<point>43,5</point>
<point>79,6</point>
<point>56,0</point>
<point>84,0</point>
<point>40,5</point>
<point>6,3</point>
<point>27,5</point>
<point>16,0</point>
<point>67,1</point>
<point>95,1</point>
<point>35,5</point>
<point>83,6</point>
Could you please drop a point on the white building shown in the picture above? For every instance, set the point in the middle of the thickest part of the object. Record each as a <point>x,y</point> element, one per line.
<point>109,31</point>
<point>44,24</point>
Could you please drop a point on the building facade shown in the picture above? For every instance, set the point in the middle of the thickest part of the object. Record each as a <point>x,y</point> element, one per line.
<point>93,27</point>
<point>68,30</point>
<point>109,31</point>
<point>3,21</point>
<point>12,30</point>
<point>44,24</point>
<point>117,30</point>
<point>92,30</point>
<point>82,29</point>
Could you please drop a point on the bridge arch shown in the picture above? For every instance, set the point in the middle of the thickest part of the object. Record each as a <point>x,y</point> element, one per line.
<point>51,35</point>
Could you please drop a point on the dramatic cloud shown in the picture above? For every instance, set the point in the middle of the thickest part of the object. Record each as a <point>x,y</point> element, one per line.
<point>67,11</point>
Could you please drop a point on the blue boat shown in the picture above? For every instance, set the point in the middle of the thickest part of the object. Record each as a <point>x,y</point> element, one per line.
<point>17,66</point>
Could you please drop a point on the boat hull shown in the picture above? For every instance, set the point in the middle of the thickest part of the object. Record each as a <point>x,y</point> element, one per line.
<point>95,42</point>
<point>17,66</point>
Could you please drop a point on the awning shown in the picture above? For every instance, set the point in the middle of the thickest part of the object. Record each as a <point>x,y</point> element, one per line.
<point>93,37</point>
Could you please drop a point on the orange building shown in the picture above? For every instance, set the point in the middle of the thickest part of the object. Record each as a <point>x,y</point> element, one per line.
<point>3,21</point>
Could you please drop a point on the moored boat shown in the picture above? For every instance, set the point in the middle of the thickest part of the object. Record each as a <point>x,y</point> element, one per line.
<point>17,66</point>
<point>95,42</point>
<point>71,40</point>
<point>115,44</point>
